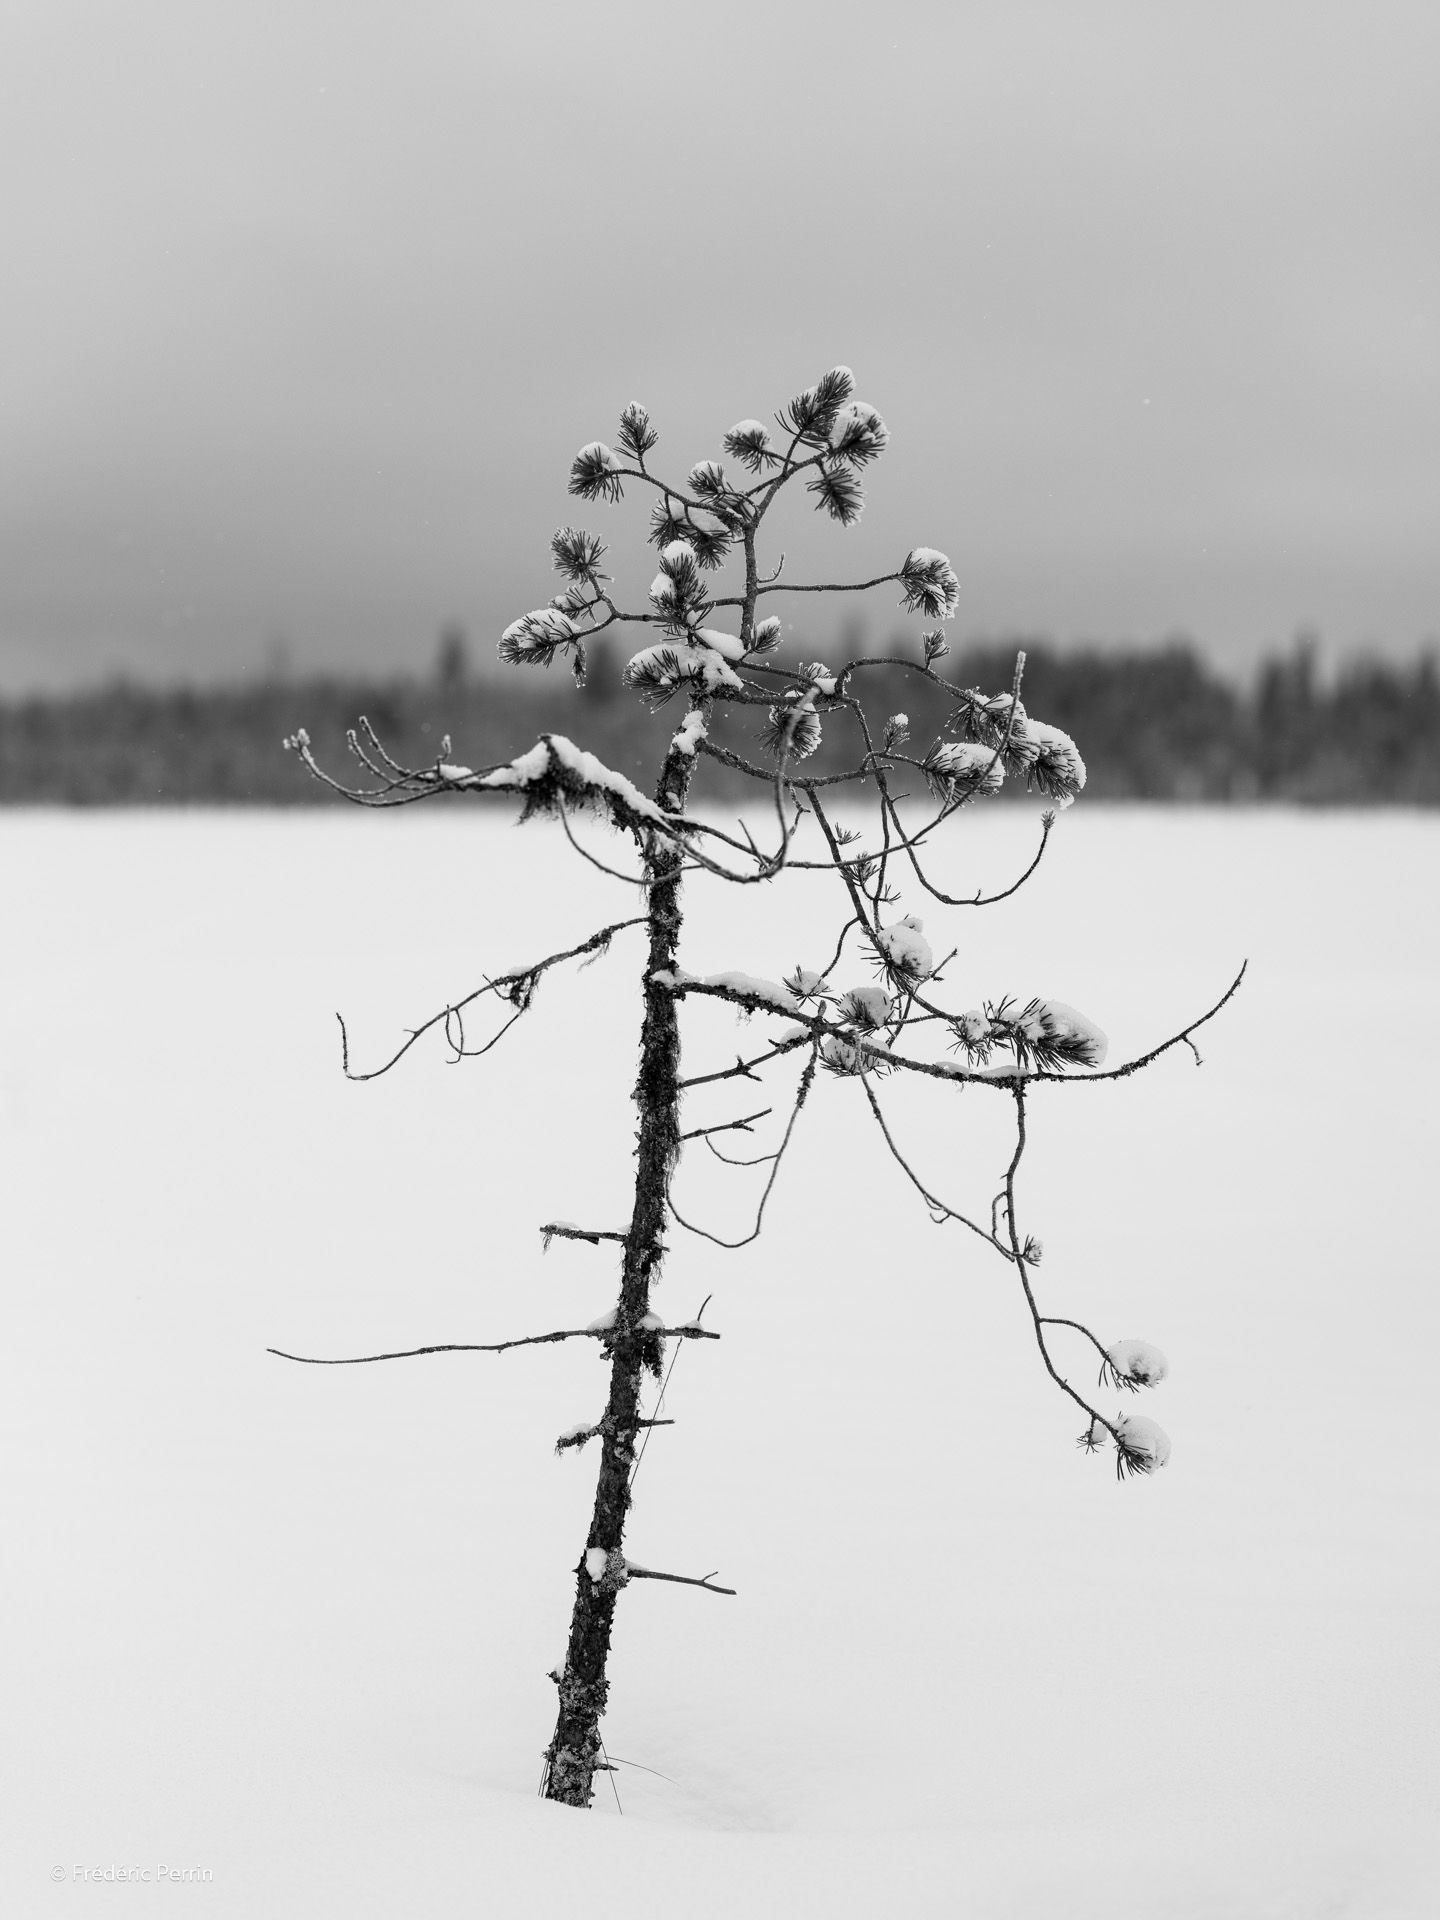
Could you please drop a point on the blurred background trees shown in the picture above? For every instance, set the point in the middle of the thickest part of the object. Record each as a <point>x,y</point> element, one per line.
<point>1158,724</point>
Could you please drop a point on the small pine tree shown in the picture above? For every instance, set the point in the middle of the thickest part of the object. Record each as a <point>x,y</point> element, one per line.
<point>722,654</point>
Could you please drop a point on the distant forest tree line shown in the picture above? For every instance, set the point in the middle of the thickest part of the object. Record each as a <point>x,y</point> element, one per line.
<point>1153,724</point>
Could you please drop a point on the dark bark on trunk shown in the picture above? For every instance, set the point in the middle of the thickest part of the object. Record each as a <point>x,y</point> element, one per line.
<point>573,1755</point>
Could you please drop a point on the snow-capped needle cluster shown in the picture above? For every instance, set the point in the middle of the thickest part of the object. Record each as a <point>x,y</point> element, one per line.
<point>701,603</point>
<point>1141,1444</point>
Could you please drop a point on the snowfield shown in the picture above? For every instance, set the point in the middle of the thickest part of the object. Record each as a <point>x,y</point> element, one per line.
<point>290,1626</point>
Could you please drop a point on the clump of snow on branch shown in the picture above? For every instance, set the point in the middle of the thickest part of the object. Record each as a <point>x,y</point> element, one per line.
<point>593,473</point>
<point>1058,769</point>
<point>963,769</point>
<point>1143,1445</point>
<point>555,770</point>
<point>931,587</point>
<point>1044,1033</point>
<point>858,434</point>
<point>748,441</point>
<point>715,675</point>
<point>905,950</point>
<point>867,1007</point>
<point>806,985</point>
<point>852,1056</point>
<point>770,991</point>
<point>794,728</point>
<point>534,639</point>
<point>727,645</point>
<point>1073,1034</point>
<point>1136,1363</point>
<point>690,732</point>
<point>636,434</point>
<point>658,672</point>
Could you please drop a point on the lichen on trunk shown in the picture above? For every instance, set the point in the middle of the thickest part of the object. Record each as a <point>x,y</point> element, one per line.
<point>574,1753</point>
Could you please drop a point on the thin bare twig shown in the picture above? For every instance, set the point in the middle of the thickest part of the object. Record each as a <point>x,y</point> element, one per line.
<point>727,1126</point>
<point>931,1199</point>
<point>561,1230</point>
<point>523,980</point>
<point>806,1081</point>
<point>680,1579</point>
<point>495,1346</point>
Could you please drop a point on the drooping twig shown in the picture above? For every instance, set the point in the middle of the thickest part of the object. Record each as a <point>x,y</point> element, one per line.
<point>932,1200</point>
<point>520,982</point>
<point>806,1081</point>
<point>1097,1418</point>
<point>660,1397</point>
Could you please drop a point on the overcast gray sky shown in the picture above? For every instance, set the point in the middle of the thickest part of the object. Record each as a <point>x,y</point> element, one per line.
<point>307,307</point>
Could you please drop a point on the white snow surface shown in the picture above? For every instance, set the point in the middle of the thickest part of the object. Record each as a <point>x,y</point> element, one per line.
<point>292,1624</point>
<point>596,1561</point>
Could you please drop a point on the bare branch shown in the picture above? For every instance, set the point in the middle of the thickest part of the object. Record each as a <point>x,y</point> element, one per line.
<point>807,1079</point>
<point>1096,1417</point>
<point>519,983</point>
<point>614,873</point>
<point>727,1126</point>
<point>562,1230</point>
<point>838,586</point>
<point>767,774</point>
<point>937,1206</point>
<point>742,1068</point>
<point>496,1346</point>
<point>680,1579</point>
<point>1175,1040</point>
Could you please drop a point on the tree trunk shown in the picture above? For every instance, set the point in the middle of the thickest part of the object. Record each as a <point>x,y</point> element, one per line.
<point>574,1751</point>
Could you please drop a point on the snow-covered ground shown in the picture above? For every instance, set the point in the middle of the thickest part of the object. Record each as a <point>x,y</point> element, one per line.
<point>290,1626</point>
